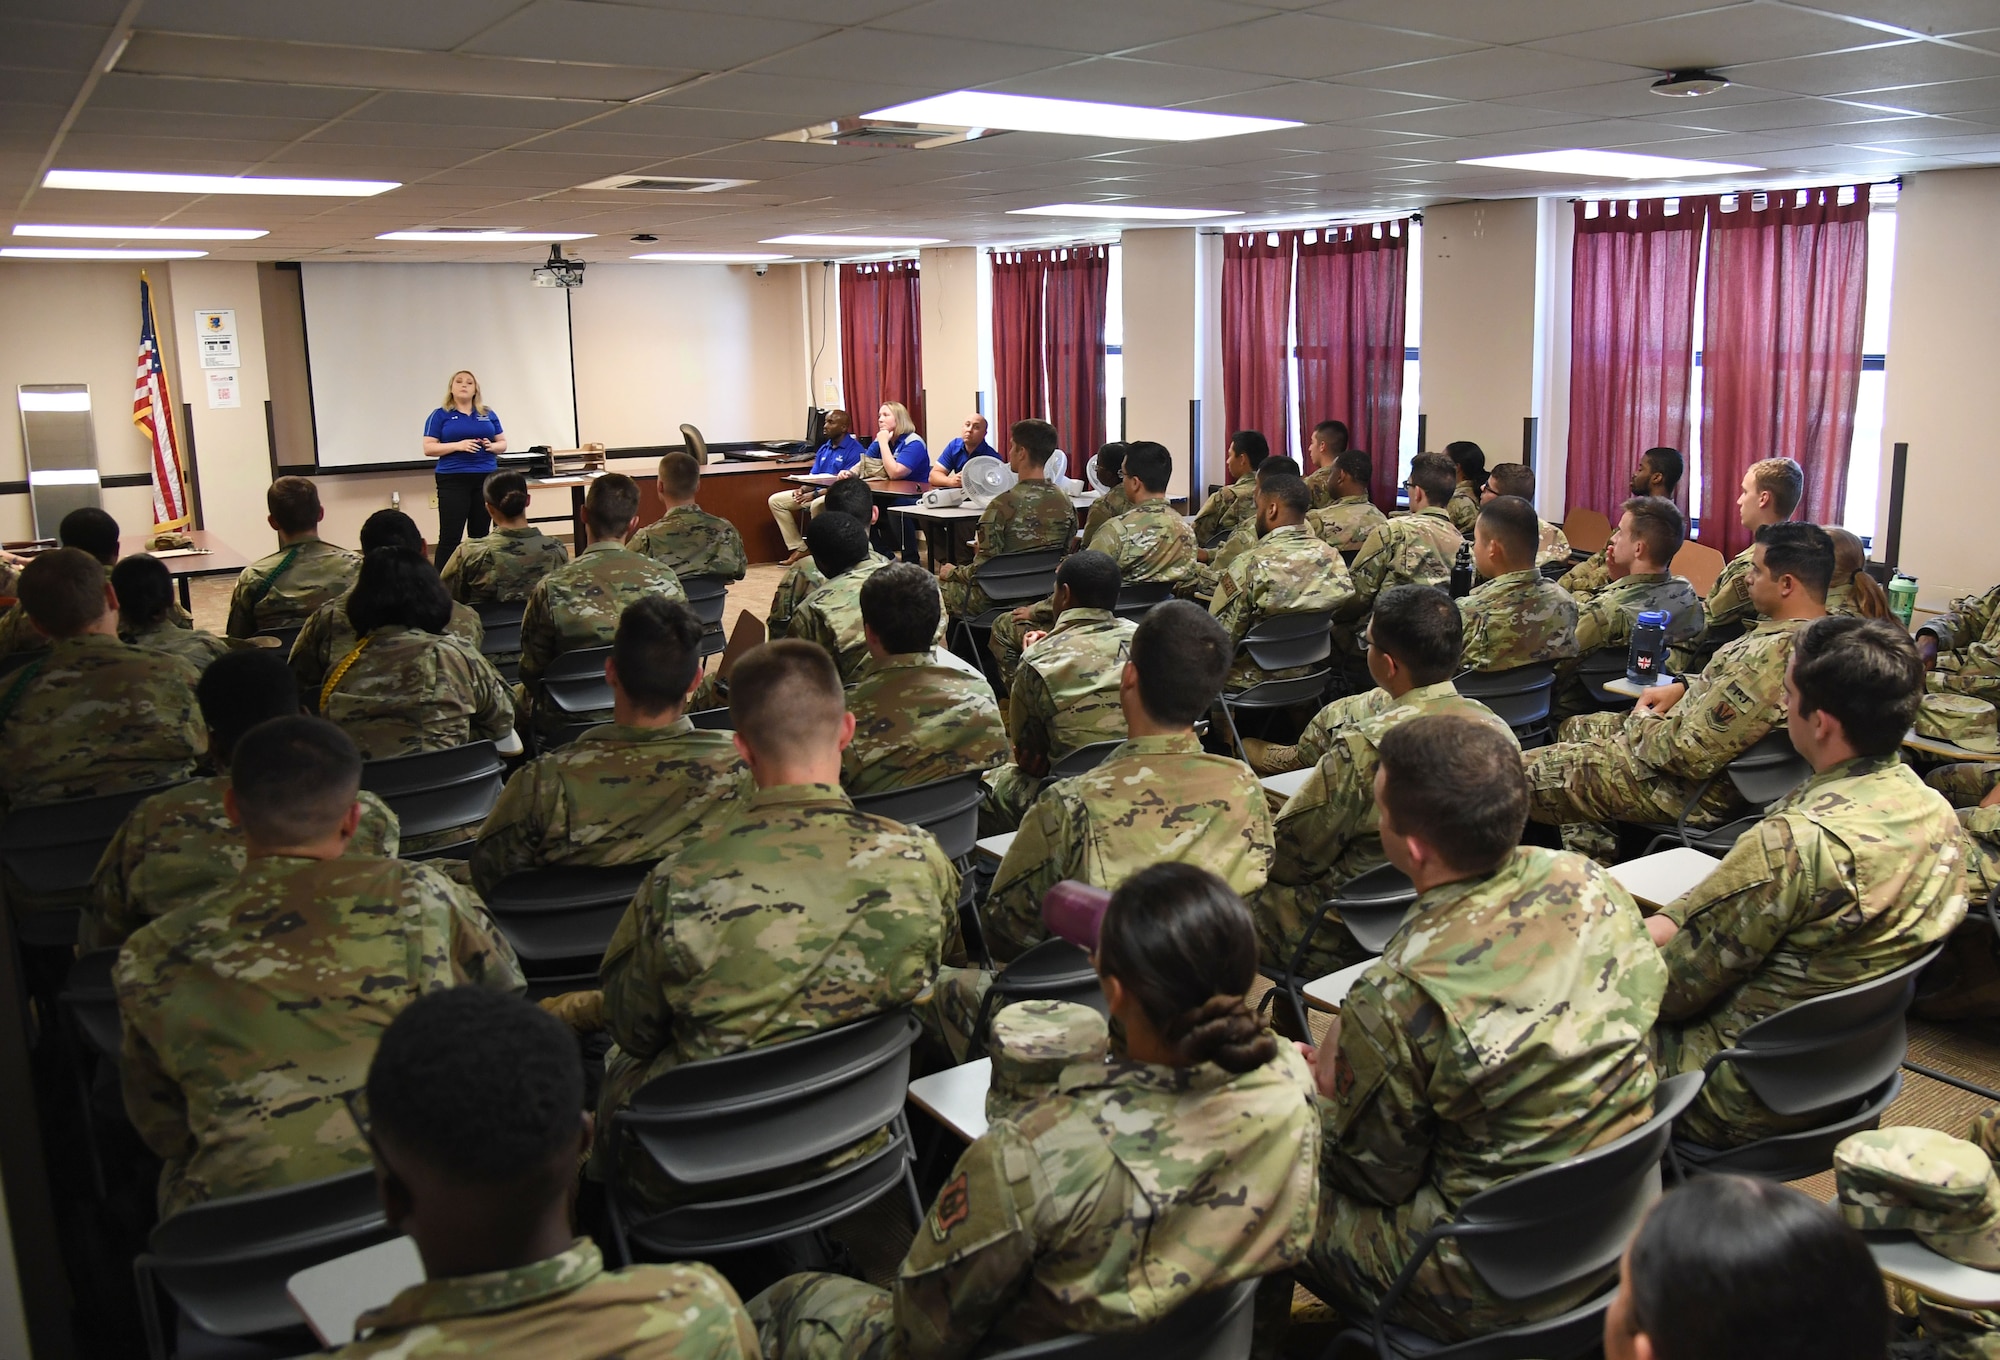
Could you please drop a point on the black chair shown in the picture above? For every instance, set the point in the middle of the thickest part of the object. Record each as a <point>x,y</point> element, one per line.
<point>1083,759</point>
<point>225,1263</point>
<point>696,445</point>
<point>1371,906</point>
<point>1282,642</point>
<point>500,636</point>
<point>1552,1228</point>
<point>711,1128</point>
<point>1520,697</point>
<point>436,791</point>
<point>712,719</point>
<point>1600,667</point>
<point>285,636</point>
<point>1211,1326</point>
<point>52,849</point>
<point>1136,597</point>
<point>88,1004</point>
<point>948,808</point>
<point>708,596</point>
<point>576,695</point>
<point>1839,1056</point>
<point>1054,970</point>
<point>560,920</point>
<point>1764,773</point>
<point>1555,571</point>
<point>1009,581</point>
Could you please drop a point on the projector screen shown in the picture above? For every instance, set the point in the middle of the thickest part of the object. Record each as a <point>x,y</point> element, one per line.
<point>382,341</point>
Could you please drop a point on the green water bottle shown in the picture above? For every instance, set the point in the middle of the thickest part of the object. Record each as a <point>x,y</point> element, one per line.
<point>1903,597</point>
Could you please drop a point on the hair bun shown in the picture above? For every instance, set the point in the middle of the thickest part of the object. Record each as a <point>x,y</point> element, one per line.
<point>1222,1030</point>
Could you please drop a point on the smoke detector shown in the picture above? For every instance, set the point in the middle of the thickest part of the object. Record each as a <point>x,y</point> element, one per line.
<point>666,184</point>
<point>1688,84</point>
<point>884,132</point>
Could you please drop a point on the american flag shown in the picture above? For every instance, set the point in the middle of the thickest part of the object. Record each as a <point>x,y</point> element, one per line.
<point>153,412</point>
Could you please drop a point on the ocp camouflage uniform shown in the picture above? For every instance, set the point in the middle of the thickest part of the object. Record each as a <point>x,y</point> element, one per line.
<point>1589,576</point>
<point>1727,609</point>
<point>1065,696</point>
<point>1107,507</point>
<point>1554,545</point>
<point>919,717</point>
<point>1502,1030</point>
<point>1328,832</point>
<point>1288,572</point>
<point>1517,619</point>
<point>18,634</point>
<point>1463,508</point>
<point>93,716</point>
<point>1965,783</point>
<point>831,616</point>
<point>502,567</point>
<point>694,543</point>
<point>1227,508</point>
<point>281,590</point>
<point>568,1305</point>
<point>1201,585</point>
<point>250,1012</point>
<point>578,605</point>
<point>1968,639</point>
<point>1606,617</point>
<point>1851,877</point>
<point>1345,523</point>
<point>1350,710</point>
<point>615,795</point>
<point>801,579</point>
<point>1027,516</point>
<point>799,914</point>
<point>191,645</point>
<point>409,691</point>
<point>329,636</point>
<point>1101,1208</point>
<point>1408,550</point>
<point>1319,486</point>
<point>1150,542</point>
<point>181,844</point>
<point>1608,767</point>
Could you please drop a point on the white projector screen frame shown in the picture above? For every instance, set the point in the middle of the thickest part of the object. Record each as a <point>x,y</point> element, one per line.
<point>382,341</point>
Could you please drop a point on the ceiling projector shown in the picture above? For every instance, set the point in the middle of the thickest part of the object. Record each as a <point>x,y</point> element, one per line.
<point>558,272</point>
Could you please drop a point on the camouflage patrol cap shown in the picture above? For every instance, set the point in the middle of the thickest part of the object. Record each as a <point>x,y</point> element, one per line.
<point>1924,1181</point>
<point>1033,1041</point>
<point>1985,1131</point>
<point>1961,719</point>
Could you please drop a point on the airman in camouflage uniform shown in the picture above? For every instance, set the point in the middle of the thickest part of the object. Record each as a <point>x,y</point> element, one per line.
<point>1637,766</point>
<point>1517,619</point>
<point>282,590</point>
<point>1288,572</point>
<point>329,636</point>
<point>1065,695</point>
<point>694,543</point>
<point>180,845</point>
<point>1350,710</point>
<point>1108,506</point>
<point>402,691</point>
<point>831,616</point>
<point>1416,549</point>
<point>1031,514</point>
<point>1967,638</point>
<point>502,567</point>
<point>568,1304</point>
<point>1554,545</point>
<point>1503,1029</point>
<point>1726,611</point>
<point>1605,619</point>
<point>1463,508</point>
<point>250,1012</point>
<point>1855,874</point>
<point>578,605</point>
<point>1328,832</point>
<point>1345,523</point>
<point>191,645</point>
<point>919,717</point>
<point>93,716</point>
<point>800,580</point>
<point>1227,508</point>
<point>798,915</point>
<point>1100,1208</point>
<point>618,794</point>
<point>1589,576</point>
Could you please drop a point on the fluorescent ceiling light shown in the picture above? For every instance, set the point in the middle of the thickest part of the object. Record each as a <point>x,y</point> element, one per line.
<point>1076,117</point>
<point>857,242</point>
<point>710,257</point>
<point>446,234</point>
<point>1122,210</point>
<point>90,253</point>
<point>1612,164</point>
<point>140,233</point>
<point>144,182</point>
<point>55,401</point>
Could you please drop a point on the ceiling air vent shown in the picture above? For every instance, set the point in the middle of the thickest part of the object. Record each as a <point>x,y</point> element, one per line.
<point>884,132</point>
<point>665,184</point>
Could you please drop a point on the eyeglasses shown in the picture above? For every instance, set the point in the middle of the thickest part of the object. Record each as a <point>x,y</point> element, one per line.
<point>356,1102</point>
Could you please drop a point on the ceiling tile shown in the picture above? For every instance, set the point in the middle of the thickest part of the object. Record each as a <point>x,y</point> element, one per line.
<point>100,13</point>
<point>815,11</point>
<point>1986,40</point>
<point>1635,98</point>
<point>911,58</point>
<point>1775,113</point>
<point>1330,137</point>
<point>171,94</point>
<point>1316,101</point>
<point>401,106</point>
<point>628,35</point>
<point>1918,16</point>
<point>1303,46</point>
<point>1516,21</point>
<point>1722,37</point>
<point>633,146</point>
<point>435,25</point>
<point>1122,80</point>
<point>1064,23</point>
<point>57,87</point>
<point>371,162</point>
<point>36,45</point>
<point>1873,68</point>
<point>1467,120</point>
<point>466,138</point>
<point>657,118</point>
<point>222,126</point>
<point>1495,73</point>
<point>802,100</point>
<point>40,120</point>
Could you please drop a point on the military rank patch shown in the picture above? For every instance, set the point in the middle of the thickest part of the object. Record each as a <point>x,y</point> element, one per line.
<point>953,1207</point>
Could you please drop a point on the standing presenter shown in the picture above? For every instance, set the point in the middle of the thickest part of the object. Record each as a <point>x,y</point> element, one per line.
<point>463,435</point>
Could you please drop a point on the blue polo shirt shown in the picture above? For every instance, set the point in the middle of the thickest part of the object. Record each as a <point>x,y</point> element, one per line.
<point>956,454</point>
<point>448,425</point>
<point>836,456</point>
<point>911,453</point>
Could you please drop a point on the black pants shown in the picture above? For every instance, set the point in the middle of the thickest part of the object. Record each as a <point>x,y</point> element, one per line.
<point>461,512</point>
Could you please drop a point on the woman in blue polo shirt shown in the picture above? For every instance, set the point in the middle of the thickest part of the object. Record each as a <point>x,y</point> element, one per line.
<point>900,451</point>
<point>464,437</point>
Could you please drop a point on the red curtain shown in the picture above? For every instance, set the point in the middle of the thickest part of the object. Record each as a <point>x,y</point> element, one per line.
<point>1021,390</point>
<point>1631,341</point>
<point>1352,289</point>
<point>1078,278</point>
<point>1781,349</point>
<point>881,341</point>
<point>1256,310</point>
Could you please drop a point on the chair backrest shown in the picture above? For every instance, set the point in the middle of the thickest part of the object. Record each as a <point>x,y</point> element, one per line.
<point>500,627</point>
<point>1083,759</point>
<point>1587,530</point>
<point>1832,1049</point>
<point>1135,598</point>
<point>1520,697</point>
<point>1372,905</point>
<point>1700,564</point>
<point>54,847</point>
<point>566,912</point>
<point>1604,664</point>
<point>226,1262</point>
<point>1282,641</point>
<point>1053,970</point>
<point>574,682</point>
<point>696,445</point>
<point>948,808</point>
<point>1017,576</point>
<point>1561,1224</point>
<point>1216,1325</point>
<point>1769,769</point>
<point>712,719</point>
<point>92,1001</point>
<point>437,790</point>
<point>707,596</point>
<point>286,636</point>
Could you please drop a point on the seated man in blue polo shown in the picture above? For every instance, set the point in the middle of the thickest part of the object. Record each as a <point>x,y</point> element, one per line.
<point>947,468</point>
<point>840,452</point>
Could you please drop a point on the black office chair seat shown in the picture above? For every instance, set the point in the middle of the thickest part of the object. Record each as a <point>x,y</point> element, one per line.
<point>1009,581</point>
<point>708,597</point>
<point>1768,770</point>
<point>51,850</point>
<point>948,808</point>
<point>1371,906</point>
<point>1137,597</point>
<point>500,628</point>
<point>1083,759</point>
<point>92,1002</point>
<point>1520,697</point>
<point>560,919</point>
<point>574,683</point>
<point>712,719</point>
<point>438,791</point>
<point>1599,668</point>
<point>284,636</point>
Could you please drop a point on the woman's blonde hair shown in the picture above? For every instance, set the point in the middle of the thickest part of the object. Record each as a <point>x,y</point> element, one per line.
<point>478,403</point>
<point>904,425</point>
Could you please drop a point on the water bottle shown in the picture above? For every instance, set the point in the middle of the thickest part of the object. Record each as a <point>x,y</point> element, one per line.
<point>1646,657</point>
<point>1461,571</point>
<point>1903,598</point>
<point>1073,911</point>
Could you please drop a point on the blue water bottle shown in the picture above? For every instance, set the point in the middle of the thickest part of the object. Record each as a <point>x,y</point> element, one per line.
<point>1646,657</point>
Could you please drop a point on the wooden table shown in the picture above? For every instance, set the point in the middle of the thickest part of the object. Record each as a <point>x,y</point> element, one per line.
<point>1946,750</point>
<point>738,490</point>
<point>211,557</point>
<point>1656,880</point>
<point>956,1097</point>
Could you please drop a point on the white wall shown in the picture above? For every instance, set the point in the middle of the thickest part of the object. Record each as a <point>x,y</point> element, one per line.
<point>950,292</point>
<point>1162,330</point>
<point>1478,372</point>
